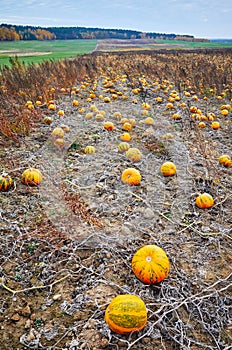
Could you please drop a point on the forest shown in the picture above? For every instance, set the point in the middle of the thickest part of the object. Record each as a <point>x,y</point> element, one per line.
<point>9,32</point>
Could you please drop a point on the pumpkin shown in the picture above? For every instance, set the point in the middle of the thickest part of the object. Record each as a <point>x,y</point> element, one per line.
<point>131,176</point>
<point>109,126</point>
<point>146,106</point>
<point>99,117</point>
<point>215,125</point>
<point>168,169</point>
<point>89,150</point>
<point>47,120</point>
<point>88,115</point>
<point>60,143</point>
<point>202,125</point>
<point>126,313</point>
<point>150,264</point>
<point>5,182</point>
<point>52,107</point>
<point>134,154</point>
<point>32,177</point>
<point>125,137</point>
<point>58,132</point>
<point>123,147</point>
<point>132,122</point>
<point>106,99</point>
<point>149,121</point>
<point>60,113</point>
<point>75,103</point>
<point>224,112</point>
<point>176,116</point>
<point>127,126</point>
<point>117,115</point>
<point>204,201</point>
<point>224,159</point>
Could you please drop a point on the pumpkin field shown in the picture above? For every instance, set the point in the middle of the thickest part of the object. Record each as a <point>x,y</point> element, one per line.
<point>115,190</point>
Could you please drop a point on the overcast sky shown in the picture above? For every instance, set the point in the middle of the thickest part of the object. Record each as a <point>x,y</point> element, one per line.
<point>201,18</point>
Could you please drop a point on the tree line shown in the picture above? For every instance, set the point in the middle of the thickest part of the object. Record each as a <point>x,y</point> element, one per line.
<point>10,32</point>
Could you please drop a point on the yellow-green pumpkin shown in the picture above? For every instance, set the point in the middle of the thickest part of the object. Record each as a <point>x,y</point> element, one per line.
<point>126,313</point>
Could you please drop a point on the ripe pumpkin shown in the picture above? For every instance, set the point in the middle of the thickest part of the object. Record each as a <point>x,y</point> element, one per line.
<point>109,126</point>
<point>127,126</point>
<point>60,113</point>
<point>225,160</point>
<point>134,154</point>
<point>215,125</point>
<point>89,150</point>
<point>204,201</point>
<point>60,143</point>
<point>75,103</point>
<point>126,313</point>
<point>125,137</point>
<point>5,182</point>
<point>58,132</point>
<point>32,177</point>
<point>150,264</point>
<point>131,176</point>
<point>168,169</point>
<point>149,121</point>
<point>123,147</point>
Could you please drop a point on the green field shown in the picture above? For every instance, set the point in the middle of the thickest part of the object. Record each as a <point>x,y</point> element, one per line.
<point>195,44</point>
<point>38,51</point>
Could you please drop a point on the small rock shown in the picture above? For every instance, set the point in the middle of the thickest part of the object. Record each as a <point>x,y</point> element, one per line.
<point>31,336</point>
<point>57,297</point>
<point>125,231</point>
<point>27,324</point>
<point>26,311</point>
<point>15,317</point>
<point>148,213</point>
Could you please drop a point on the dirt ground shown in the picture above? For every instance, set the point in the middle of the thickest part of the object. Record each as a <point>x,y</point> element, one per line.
<point>67,245</point>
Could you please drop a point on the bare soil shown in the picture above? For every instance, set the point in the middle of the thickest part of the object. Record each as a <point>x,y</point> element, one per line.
<point>67,244</point>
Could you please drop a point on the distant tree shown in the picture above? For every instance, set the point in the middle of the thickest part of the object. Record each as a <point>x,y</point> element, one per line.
<point>8,34</point>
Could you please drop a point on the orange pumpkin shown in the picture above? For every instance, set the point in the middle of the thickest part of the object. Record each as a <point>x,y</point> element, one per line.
<point>150,264</point>
<point>127,126</point>
<point>32,177</point>
<point>168,169</point>
<point>60,113</point>
<point>215,125</point>
<point>75,103</point>
<point>125,137</point>
<point>204,201</point>
<point>126,313</point>
<point>5,182</point>
<point>225,160</point>
<point>109,126</point>
<point>131,176</point>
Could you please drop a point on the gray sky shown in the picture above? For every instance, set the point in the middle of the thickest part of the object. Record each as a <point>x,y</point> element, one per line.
<point>203,19</point>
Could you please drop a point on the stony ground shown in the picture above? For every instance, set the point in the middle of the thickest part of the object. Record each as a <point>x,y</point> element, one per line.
<point>67,244</point>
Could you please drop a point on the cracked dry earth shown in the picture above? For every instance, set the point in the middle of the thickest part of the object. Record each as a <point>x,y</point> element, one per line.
<point>67,244</point>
